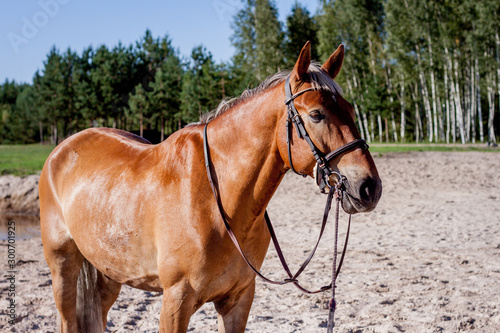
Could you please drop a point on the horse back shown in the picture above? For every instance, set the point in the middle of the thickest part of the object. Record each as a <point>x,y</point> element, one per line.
<point>104,155</point>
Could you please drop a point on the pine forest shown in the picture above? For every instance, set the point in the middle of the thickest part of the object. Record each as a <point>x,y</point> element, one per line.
<point>414,71</point>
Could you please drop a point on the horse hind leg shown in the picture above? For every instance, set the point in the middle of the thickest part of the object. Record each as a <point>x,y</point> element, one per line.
<point>109,291</point>
<point>82,294</point>
<point>64,261</point>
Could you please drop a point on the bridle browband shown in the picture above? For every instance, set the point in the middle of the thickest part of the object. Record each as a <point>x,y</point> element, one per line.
<point>322,179</point>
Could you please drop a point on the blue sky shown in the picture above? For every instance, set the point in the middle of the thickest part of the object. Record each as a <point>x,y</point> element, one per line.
<point>29,28</point>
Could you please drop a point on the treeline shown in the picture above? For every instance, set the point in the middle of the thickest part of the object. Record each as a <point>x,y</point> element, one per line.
<point>419,69</point>
<point>414,71</point>
<point>145,87</point>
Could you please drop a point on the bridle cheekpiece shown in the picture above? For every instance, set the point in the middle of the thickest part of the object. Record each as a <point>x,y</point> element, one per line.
<point>323,170</point>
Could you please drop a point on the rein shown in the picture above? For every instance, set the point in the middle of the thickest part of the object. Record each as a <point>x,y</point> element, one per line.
<point>324,172</point>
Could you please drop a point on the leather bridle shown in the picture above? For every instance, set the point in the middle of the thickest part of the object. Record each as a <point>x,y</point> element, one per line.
<point>323,161</point>
<point>322,179</point>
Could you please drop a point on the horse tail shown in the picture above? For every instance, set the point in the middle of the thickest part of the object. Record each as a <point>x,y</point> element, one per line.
<point>88,299</point>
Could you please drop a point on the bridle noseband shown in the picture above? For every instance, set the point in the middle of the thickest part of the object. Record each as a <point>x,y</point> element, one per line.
<point>322,179</point>
<point>323,161</point>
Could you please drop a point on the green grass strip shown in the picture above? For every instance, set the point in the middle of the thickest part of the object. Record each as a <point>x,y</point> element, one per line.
<point>21,160</point>
<point>403,148</point>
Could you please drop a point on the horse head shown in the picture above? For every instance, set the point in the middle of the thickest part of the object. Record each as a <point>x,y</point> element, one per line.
<point>329,122</point>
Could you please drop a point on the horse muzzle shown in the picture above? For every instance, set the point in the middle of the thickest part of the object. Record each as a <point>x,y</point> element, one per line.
<point>361,194</point>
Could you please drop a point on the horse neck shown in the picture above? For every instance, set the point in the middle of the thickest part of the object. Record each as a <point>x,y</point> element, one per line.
<point>245,156</point>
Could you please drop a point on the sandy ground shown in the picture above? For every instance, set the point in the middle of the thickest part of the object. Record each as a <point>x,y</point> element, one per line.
<point>426,260</point>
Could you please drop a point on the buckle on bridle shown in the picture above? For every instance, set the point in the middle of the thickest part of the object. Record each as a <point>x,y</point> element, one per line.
<point>340,180</point>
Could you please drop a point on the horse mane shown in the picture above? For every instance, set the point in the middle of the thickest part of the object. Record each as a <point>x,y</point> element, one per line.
<point>319,80</point>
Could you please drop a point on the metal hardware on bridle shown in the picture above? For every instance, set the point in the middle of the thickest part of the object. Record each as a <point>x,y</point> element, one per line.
<point>323,180</point>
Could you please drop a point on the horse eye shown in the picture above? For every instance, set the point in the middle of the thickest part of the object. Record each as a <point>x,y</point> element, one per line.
<point>316,116</point>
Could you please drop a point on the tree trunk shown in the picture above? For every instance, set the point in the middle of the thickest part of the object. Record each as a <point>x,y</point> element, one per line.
<point>403,116</point>
<point>458,102</point>
<point>456,114</point>
<point>386,130</point>
<point>162,129</point>
<point>391,99</point>
<point>360,122</point>
<point>372,58</point>
<point>478,101</point>
<point>491,103</point>
<point>394,129</point>
<point>40,127</point>
<point>497,40</point>
<point>418,123</point>
<point>440,119</point>
<point>433,89</point>
<point>372,126</point>
<point>367,131</point>
<point>467,109</point>
<point>453,116</point>
<point>472,103</point>
<point>418,119</point>
<point>447,96</point>
<point>140,125</point>
<point>55,133</point>
<point>358,115</point>
<point>379,123</point>
<point>425,96</point>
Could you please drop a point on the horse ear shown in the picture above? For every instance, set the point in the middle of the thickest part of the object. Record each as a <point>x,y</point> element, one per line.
<point>334,63</point>
<point>301,66</point>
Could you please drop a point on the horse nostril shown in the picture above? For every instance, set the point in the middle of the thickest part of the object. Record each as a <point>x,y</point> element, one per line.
<point>368,189</point>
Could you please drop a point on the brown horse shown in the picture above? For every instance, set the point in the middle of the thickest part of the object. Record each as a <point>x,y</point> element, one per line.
<point>116,209</point>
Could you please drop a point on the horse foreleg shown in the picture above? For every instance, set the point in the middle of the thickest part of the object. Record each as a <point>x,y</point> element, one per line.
<point>233,312</point>
<point>179,304</point>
